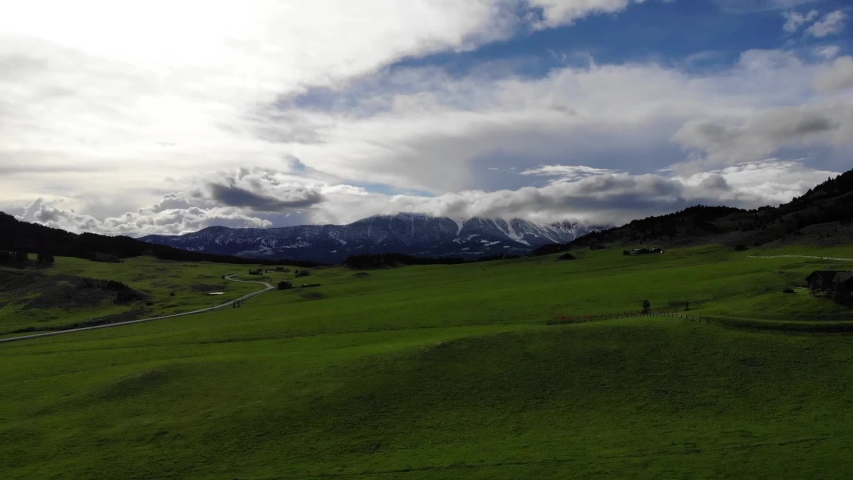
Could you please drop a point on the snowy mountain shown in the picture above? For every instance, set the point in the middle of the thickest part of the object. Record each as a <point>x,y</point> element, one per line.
<point>419,235</point>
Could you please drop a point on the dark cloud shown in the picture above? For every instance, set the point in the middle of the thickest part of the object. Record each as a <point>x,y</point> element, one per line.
<point>234,196</point>
<point>763,134</point>
<point>10,164</point>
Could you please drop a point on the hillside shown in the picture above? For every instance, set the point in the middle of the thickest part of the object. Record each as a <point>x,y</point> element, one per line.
<point>75,292</point>
<point>407,234</point>
<point>822,217</point>
<point>16,235</point>
<point>445,372</point>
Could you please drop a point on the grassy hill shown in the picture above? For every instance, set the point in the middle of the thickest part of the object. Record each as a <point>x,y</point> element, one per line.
<point>63,296</point>
<point>450,371</point>
<point>821,217</point>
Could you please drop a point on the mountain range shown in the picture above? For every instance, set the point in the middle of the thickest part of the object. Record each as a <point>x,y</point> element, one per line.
<point>821,217</point>
<point>410,234</point>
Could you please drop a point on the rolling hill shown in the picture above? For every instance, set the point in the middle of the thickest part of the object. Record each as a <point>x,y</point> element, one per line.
<point>823,216</point>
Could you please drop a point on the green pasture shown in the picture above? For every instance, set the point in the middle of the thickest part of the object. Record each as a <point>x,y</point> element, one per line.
<point>447,372</point>
<point>172,287</point>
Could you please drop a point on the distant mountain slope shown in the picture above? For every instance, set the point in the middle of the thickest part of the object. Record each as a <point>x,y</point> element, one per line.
<point>824,215</point>
<point>16,235</point>
<point>409,234</point>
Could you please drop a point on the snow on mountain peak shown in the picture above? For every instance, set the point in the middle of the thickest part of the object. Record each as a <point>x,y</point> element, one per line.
<point>407,233</point>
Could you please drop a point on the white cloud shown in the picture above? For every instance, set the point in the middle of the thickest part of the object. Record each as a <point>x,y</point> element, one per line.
<point>593,196</point>
<point>146,221</point>
<point>793,20</point>
<point>561,12</point>
<point>836,77</point>
<point>430,140</point>
<point>769,182</point>
<point>132,109</point>
<point>828,52</point>
<point>599,198</point>
<point>831,24</point>
<point>751,6</point>
<point>567,173</point>
<point>143,91</point>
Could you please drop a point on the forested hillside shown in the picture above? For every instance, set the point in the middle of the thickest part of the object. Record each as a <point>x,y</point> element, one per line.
<point>18,236</point>
<point>820,216</point>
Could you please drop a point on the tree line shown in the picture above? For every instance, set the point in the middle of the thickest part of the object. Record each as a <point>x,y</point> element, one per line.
<point>21,257</point>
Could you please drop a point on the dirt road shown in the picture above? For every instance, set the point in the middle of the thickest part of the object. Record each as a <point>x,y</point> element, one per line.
<point>267,287</point>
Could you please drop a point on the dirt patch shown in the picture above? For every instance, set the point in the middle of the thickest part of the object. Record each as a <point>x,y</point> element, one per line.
<point>206,287</point>
<point>312,295</point>
<point>15,281</point>
<point>136,384</point>
<point>35,290</point>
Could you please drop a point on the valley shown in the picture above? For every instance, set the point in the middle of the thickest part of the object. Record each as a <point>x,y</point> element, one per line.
<point>444,371</point>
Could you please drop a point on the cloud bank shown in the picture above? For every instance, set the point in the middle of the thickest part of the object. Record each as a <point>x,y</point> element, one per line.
<point>266,113</point>
<point>575,193</point>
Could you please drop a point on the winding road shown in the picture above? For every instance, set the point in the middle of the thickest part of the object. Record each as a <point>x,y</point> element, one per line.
<point>267,288</point>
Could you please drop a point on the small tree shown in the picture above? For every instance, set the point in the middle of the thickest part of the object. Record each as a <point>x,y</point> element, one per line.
<point>626,253</point>
<point>21,257</point>
<point>646,307</point>
<point>687,306</point>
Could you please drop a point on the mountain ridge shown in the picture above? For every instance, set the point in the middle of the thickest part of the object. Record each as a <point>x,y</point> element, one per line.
<point>406,233</point>
<point>822,216</point>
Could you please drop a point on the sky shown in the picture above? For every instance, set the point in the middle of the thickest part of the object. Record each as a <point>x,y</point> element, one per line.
<point>165,117</point>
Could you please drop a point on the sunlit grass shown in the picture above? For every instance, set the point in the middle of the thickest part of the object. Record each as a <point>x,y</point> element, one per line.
<point>448,372</point>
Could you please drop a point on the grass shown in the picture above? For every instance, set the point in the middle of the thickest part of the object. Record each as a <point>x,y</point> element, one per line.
<point>450,372</point>
<point>173,287</point>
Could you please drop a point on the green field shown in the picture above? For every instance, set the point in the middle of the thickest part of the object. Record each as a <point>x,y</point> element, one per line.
<point>448,372</point>
<point>173,287</point>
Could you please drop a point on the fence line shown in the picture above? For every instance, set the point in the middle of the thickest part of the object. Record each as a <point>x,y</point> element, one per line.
<point>797,326</point>
<point>803,256</point>
<point>564,320</point>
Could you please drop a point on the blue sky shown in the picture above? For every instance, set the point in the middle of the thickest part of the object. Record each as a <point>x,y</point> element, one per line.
<point>653,31</point>
<point>273,113</point>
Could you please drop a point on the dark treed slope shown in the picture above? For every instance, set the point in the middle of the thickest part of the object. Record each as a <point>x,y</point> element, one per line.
<point>822,216</point>
<point>384,260</point>
<point>16,235</point>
